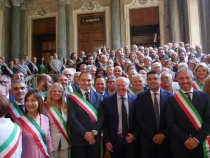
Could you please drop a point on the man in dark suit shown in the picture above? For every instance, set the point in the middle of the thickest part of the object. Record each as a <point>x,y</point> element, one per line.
<point>100,85</point>
<point>85,125</point>
<point>34,67</point>
<point>187,137</point>
<point>120,127</point>
<point>151,118</point>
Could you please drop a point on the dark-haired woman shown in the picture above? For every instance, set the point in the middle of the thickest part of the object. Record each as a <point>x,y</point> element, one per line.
<point>36,130</point>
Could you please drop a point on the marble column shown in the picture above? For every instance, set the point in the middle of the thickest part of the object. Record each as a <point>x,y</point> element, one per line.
<point>174,27</point>
<point>7,32</point>
<point>15,33</point>
<point>62,53</point>
<point>115,24</point>
<point>184,21</point>
<point>68,26</point>
<point>22,30</point>
<point>204,13</point>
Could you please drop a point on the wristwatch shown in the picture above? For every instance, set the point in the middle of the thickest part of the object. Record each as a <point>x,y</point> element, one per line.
<point>95,132</point>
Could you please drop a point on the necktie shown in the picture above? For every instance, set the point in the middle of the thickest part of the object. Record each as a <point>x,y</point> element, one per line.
<point>87,96</point>
<point>156,111</point>
<point>21,108</point>
<point>124,119</point>
<point>189,97</point>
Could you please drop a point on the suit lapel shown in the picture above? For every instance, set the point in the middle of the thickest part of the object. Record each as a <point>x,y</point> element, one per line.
<point>162,100</point>
<point>130,110</point>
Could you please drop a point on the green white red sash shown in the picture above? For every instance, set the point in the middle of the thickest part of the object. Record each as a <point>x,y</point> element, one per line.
<point>197,85</point>
<point>194,117</point>
<point>85,105</point>
<point>58,119</point>
<point>42,94</point>
<point>93,87</point>
<point>42,66</point>
<point>15,111</point>
<point>23,68</point>
<point>39,136</point>
<point>56,61</point>
<point>69,90</point>
<point>35,67</point>
<point>9,70</point>
<point>80,59</point>
<point>130,90</point>
<point>103,67</point>
<point>117,62</point>
<point>8,148</point>
<point>139,64</point>
<point>146,69</point>
<point>125,74</point>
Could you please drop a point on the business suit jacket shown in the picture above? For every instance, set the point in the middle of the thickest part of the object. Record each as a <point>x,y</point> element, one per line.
<point>80,122</point>
<point>74,87</point>
<point>146,117</point>
<point>33,70</point>
<point>31,148</point>
<point>111,118</point>
<point>180,125</point>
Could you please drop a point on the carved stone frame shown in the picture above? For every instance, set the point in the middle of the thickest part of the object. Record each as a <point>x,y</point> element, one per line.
<point>84,10</point>
<point>135,4</point>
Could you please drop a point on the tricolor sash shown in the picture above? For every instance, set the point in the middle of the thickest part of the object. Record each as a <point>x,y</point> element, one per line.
<point>194,117</point>
<point>35,67</point>
<point>42,66</point>
<point>146,69</point>
<point>15,111</point>
<point>130,90</point>
<point>92,87</point>
<point>39,136</point>
<point>139,64</point>
<point>8,148</point>
<point>69,90</point>
<point>103,67</point>
<point>80,59</point>
<point>125,73</point>
<point>42,94</point>
<point>117,62</point>
<point>85,105</point>
<point>58,119</point>
<point>23,68</point>
<point>56,61</point>
<point>9,71</point>
<point>197,85</point>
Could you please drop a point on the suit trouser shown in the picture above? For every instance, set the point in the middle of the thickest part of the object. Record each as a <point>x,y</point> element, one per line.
<point>123,149</point>
<point>60,153</point>
<point>87,151</point>
<point>187,154</point>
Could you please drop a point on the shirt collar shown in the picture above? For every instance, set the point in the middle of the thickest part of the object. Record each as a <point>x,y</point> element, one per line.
<point>83,91</point>
<point>18,103</point>
<point>191,91</point>
<point>158,92</point>
<point>125,96</point>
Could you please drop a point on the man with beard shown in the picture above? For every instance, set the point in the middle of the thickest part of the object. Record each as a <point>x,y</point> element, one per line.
<point>44,82</point>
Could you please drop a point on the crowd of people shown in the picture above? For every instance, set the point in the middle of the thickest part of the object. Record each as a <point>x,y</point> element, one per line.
<point>126,103</point>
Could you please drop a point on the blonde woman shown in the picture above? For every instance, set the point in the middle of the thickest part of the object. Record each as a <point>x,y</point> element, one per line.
<point>201,72</point>
<point>56,110</point>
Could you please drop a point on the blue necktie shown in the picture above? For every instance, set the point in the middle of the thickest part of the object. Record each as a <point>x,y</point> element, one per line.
<point>189,97</point>
<point>87,96</point>
<point>22,108</point>
<point>157,115</point>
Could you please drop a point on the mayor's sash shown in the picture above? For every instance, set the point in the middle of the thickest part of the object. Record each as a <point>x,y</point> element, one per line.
<point>117,62</point>
<point>125,73</point>
<point>43,68</point>
<point>15,111</point>
<point>197,85</point>
<point>58,119</point>
<point>56,61</point>
<point>35,67</point>
<point>39,136</point>
<point>85,105</point>
<point>194,117</point>
<point>146,69</point>
<point>92,87</point>
<point>9,71</point>
<point>103,67</point>
<point>130,90</point>
<point>42,94</point>
<point>21,67</point>
<point>69,91</point>
<point>8,148</point>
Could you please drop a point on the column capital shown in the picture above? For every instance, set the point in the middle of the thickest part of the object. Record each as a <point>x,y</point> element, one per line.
<point>17,3</point>
<point>67,1</point>
<point>23,6</point>
<point>61,0</point>
<point>8,4</point>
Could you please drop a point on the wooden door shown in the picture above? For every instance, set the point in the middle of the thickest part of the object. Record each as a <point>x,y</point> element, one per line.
<point>44,38</point>
<point>91,32</point>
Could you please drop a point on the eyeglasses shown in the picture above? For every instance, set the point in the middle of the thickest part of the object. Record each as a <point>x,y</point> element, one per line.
<point>57,91</point>
<point>4,82</point>
<point>16,75</point>
<point>123,85</point>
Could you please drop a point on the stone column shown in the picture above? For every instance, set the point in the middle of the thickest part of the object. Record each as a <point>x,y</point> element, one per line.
<point>22,30</point>
<point>174,28</point>
<point>115,24</point>
<point>62,29</point>
<point>15,37</point>
<point>204,13</point>
<point>67,26</point>
<point>7,32</point>
<point>184,21</point>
